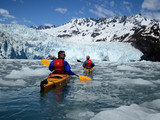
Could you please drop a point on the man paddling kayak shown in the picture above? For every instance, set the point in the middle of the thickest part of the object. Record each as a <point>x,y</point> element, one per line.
<point>61,66</point>
<point>88,63</point>
<point>61,71</point>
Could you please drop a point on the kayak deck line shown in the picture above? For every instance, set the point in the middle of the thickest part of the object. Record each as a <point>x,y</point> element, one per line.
<point>54,80</point>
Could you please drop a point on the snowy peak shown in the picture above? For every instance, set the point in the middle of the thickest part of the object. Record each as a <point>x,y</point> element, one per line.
<point>136,20</point>
<point>100,29</point>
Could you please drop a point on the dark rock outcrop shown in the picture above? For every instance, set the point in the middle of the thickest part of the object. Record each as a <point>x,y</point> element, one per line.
<point>148,44</point>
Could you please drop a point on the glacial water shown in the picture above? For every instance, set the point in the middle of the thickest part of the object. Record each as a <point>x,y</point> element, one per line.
<point>118,91</point>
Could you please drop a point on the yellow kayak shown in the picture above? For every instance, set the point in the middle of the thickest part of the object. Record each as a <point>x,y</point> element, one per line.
<point>88,69</point>
<point>53,80</point>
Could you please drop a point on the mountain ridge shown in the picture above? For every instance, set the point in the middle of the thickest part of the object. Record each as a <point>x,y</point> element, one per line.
<point>100,29</point>
<point>18,41</point>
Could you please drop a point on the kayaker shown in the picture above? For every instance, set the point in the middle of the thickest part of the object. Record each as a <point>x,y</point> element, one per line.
<point>88,63</point>
<point>50,57</point>
<point>61,66</point>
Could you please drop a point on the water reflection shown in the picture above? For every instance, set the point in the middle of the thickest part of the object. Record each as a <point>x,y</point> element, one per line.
<point>57,93</point>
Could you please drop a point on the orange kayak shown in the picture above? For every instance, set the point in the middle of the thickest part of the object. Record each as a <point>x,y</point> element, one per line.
<point>88,70</point>
<point>54,80</point>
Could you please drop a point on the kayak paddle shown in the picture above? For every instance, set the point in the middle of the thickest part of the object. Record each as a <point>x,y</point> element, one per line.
<point>45,62</point>
<point>81,77</point>
<point>84,78</point>
<point>79,61</point>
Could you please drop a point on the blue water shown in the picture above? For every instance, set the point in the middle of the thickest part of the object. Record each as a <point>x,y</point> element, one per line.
<point>113,85</point>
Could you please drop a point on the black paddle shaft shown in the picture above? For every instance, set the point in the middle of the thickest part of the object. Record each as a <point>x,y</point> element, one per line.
<point>79,61</point>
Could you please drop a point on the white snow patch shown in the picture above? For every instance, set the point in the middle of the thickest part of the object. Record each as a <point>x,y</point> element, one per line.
<point>27,72</point>
<point>80,114</point>
<point>155,104</point>
<point>129,81</point>
<point>19,82</point>
<point>132,112</point>
<point>128,68</point>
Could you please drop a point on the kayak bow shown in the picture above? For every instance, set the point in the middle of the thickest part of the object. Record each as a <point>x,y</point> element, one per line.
<point>54,80</point>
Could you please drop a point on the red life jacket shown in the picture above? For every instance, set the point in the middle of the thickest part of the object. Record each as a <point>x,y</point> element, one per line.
<point>58,66</point>
<point>89,64</point>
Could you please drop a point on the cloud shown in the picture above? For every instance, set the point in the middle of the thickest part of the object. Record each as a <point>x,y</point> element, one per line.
<point>4,14</point>
<point>61,10</point>
<point>81,11</point>
<point>101,12</point>
<point>126,3</point>
<point>128,9</point>
<point>151,15</point>
<point>47,24</point>
<point>150,9</point>
<point>112,3</point>
<point>127,6</point>
<point>14,22</point>
<point>26,21</point>
<point>151,4</point>
<point>21,1</point>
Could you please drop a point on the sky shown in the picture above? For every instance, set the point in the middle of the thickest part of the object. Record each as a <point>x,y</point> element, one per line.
<point>58,12</point>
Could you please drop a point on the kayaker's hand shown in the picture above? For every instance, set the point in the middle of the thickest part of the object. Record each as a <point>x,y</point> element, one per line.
<point>76,75</point>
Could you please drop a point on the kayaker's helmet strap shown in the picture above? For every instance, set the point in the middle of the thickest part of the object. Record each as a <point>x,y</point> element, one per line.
<point>87,57</point>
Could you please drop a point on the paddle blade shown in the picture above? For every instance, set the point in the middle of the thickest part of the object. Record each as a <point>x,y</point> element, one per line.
<point>84,78</point>
<point>79,61</point>
<point>45,62</point>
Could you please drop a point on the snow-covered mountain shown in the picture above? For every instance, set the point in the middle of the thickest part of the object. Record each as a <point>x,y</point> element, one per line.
<point>100,29</point>
<point>102,39</point>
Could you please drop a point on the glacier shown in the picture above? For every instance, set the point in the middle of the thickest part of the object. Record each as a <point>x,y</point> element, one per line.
<point>18,41</point>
